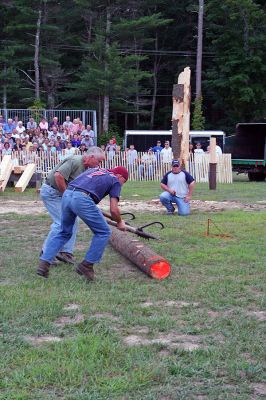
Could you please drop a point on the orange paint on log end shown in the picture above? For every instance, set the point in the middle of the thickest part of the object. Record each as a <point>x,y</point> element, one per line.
<point>160,269</point>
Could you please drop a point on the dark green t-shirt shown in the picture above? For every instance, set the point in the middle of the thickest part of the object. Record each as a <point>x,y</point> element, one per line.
<point>69,168</point>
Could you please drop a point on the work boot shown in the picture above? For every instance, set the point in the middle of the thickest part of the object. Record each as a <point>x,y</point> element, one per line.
<point>53,263</point>
<point>85,268</point>
<point>66,257</point>
<point>43,268</point>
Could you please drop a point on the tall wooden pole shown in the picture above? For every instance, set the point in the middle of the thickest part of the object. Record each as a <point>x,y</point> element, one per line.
<point>199,49</point>
<point>181,117</point>
<point>213,164</point>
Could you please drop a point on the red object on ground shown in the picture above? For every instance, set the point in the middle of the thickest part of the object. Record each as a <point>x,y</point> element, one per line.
<point>159,269</point>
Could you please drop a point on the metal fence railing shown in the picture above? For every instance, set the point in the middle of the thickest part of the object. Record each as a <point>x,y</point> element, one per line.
<point>145,167</point>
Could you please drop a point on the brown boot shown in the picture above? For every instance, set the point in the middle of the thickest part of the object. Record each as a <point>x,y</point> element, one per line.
<point>43,268</point>
<point>65,257</point>
<point>85,268</point>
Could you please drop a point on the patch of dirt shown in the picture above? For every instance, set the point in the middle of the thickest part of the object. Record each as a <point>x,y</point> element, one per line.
<point>24,207</point>
<point>105,315</point>
<point>170,303</point>
<point>172,340</point>
<point>217,314</point>
<point>260,315</point>
<point>65,320</point>
<point>71,307</point>
<point>39,340</point>
<point>120,271</point>
<point>81,246</point>
<point>260,389</point>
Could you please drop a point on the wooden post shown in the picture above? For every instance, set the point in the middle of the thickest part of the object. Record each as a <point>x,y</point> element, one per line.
<point>181,117</point>
<point>177,118</point>
<point>213,164</point>
<point>184,78</point>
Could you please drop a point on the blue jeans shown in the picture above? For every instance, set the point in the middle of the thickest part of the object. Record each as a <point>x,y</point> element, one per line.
<point>52,200</point>
<point>167,200</point>
<point>79,204</point>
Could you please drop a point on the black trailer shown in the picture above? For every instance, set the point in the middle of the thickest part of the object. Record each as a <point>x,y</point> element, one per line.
<point>248,149</point>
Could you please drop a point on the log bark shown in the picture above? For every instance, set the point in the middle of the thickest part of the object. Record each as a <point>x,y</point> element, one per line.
<point>138,253</point>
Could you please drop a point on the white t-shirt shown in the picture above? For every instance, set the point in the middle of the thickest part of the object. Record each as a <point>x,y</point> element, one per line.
<point>178,183</point>
<point>166,155</point>
<point>198,151</point>
<point>131,155</point>
<point>218,150</point>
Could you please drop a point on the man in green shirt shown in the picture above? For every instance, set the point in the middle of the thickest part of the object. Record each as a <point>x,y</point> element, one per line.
<point>55,185</point>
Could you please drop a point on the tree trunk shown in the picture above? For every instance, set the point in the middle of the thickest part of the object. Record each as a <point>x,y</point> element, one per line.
<point>137,87</point>
<point>4,92</point>
<point>106,107</point>
<point>199,50</point>
<point>36,56</point>
<point>106,99</point>
<point>126,119</point>
<point>100,115</point>
<point>155,84</point>
<point>50,100</point>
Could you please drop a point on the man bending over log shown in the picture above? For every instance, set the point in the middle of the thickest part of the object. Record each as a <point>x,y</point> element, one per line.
<point>79,200</point>
<point>54,187</point>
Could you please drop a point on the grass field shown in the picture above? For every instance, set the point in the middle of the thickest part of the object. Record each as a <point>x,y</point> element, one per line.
<point>200,334</point>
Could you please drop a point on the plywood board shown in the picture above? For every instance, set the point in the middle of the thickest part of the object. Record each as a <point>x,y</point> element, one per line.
<point>5,171</point>
<point>25,178</point>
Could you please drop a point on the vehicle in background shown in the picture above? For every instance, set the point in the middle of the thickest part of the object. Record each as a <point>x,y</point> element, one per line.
<point>248,149</point>
<point>143,140</point>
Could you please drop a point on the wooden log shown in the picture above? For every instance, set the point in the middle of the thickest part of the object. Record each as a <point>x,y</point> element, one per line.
<point>185,80</point>
<point>19,169</point>
<point>5,171</point>
<point>25,178</point>
<point>142,256</point>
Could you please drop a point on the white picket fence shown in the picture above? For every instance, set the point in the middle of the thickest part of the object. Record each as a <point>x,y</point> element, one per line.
<point>197,165</point>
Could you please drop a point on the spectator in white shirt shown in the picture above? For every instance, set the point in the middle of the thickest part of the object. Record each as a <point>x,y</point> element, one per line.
<point>20,128</point>
<point>131,155</point>
<point>31,124</point>
<point>166,153</point>
<point>68,123</point>
<point>198,149</point>
<point>69,150</point>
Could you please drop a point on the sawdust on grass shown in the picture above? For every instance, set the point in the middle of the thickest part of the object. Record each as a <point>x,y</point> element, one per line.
<point>30,207</point>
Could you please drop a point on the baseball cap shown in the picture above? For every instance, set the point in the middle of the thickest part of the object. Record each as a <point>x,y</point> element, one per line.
<point>120,171</point>
<point>175,163</point>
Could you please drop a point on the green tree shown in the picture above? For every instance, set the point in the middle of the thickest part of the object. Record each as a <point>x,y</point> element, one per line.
<point>235,78</point>
<point>198,120</point>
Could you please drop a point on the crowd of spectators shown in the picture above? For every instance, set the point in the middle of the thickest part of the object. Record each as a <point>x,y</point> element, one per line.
<point>63,138</point>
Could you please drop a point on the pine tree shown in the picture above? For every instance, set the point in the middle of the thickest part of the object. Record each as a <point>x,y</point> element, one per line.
<point>198,120</point>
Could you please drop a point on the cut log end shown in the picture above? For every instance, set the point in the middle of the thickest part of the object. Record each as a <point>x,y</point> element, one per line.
<point>160,270</point>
